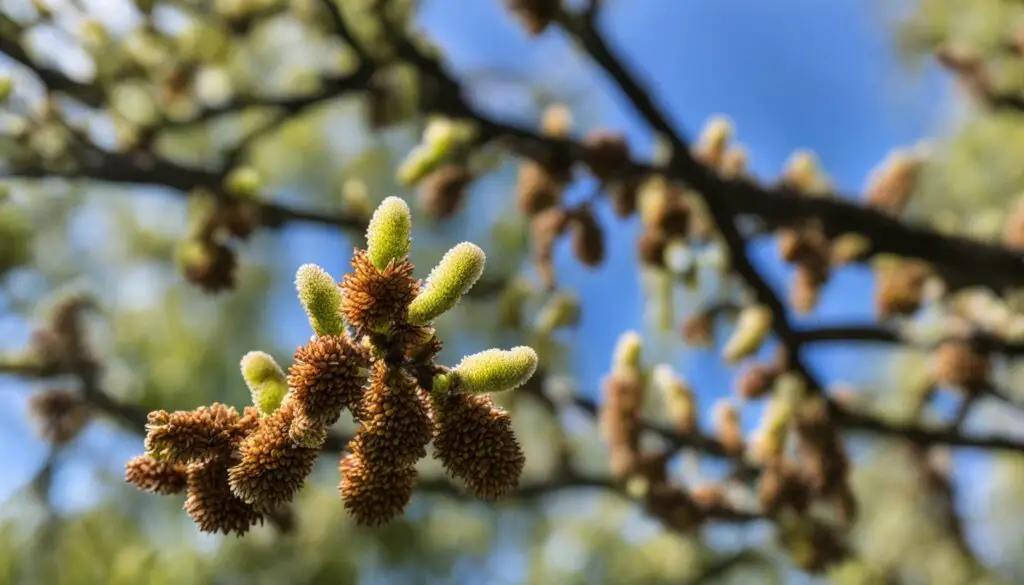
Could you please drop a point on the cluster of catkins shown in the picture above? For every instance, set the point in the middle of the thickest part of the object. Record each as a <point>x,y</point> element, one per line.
<point>798,448</point>
<point>644,472</point>
<point>373,355</point>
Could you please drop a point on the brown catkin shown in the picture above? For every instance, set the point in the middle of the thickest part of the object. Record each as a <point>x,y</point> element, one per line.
<point>374,496</point>
<point>191,435</point>
<point>805,289</point>
<point>474,441</point>
<point>324,378</point>
<point>239,218</point>
<point>899,290</point>
<point>674,218</point>
<point>756,381</point>
<point>958,363</point>
<point>444,191</point>
<point>212,505</point>
<point>650,247</point>
<point>891,185</point>
<point>623,195</point>
<point>215,269</point>
<point>272,467</point>
<point>605,153</point>
<point>154,476</point>
<point>675,507</point>
<point>534,15</point>
<point>536,188</point>
<point>623,398</point>
<point>59,414</point>
<point>698,329</point>
<point>587,238</point>
<point>546,227</point>
<point>782,487</point>
<point>395,422</point>
<point>377,298</point>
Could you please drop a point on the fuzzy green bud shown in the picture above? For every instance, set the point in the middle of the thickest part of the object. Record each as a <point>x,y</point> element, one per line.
<point>495,370</point>
<point>453,276</point>
<point>388,236</point>
<point>441,137</point>
<point>562,310</point>
<point>321,298</point>
<point>627,352</point>
<point>265,379</point>
<point>753,326</point>
<point>244,182</point>
<point>441,383</point>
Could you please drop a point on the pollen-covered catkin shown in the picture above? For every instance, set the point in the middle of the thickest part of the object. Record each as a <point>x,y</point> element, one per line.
<point>395,421</point>
<point>212,505</point>
<point>374,495</point>
<point>324,378</point>
<point>475,442</point>
<point>155,476</point>
<point>59,415</point>
<point>272,467</point>
<point>373,298</point>
<point>191,435</point>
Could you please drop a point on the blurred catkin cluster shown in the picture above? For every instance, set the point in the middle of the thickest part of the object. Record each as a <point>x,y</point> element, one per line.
<point>372,354</point>
<point>206,257</point>
<point>796,455</point>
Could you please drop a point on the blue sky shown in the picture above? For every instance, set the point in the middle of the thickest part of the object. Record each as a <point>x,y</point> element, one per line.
<point>790,73</point>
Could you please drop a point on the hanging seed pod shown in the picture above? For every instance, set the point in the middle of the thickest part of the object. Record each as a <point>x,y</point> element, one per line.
<point>533,15</point>
<point>961,364</point>
<point>155,476</point>
<point>805,290</point>
<point>60,415</point>
<point>211,504</point>
<point>546,228</point>
<point>444,191</point>
<point>209,265</point>
<point>606,154</point>
<point>395,423</point>
<point>651,247</point>
<point>536,188</point>
<point>271,467</point>
<point>698,329</point>
<point>899,288</point>
<point>623,195</point>
<point>374,496</point>
<point>587,238</point>
<point>474,441</point>
<point>892,183</point>
<point>728,430</point>
<point>239,218</point>
<point>675,217</point>
<point>756,381</point>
